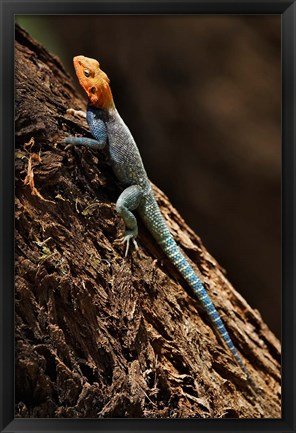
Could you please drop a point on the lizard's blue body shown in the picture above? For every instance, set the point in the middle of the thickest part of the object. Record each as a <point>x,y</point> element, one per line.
<point>108,128</point>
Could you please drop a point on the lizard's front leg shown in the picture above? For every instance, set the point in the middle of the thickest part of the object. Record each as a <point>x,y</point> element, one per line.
<point>98,129</point>
<point>128,201</point>
<point>85,141</point>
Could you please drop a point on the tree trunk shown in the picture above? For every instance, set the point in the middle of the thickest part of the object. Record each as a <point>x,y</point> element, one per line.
<point>98,334</point>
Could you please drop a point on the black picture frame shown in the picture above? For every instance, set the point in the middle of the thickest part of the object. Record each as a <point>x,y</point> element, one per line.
<point>287,10</point>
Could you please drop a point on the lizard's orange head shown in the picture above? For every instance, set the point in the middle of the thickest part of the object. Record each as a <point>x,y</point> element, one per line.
<point>94,81</point>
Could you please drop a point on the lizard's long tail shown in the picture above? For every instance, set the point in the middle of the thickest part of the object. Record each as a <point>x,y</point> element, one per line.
<point>155,222</point>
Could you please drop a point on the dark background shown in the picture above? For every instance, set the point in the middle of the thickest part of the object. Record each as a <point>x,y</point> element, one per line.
<point>201,95</point>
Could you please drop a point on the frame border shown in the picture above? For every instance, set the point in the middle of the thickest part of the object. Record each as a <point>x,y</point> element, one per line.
<point>8,9</point>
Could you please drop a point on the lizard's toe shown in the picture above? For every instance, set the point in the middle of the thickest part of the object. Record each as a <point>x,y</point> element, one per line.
<point>129,236</point>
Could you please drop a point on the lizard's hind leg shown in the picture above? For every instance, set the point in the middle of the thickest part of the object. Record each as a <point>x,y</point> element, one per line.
<point>128,201</point>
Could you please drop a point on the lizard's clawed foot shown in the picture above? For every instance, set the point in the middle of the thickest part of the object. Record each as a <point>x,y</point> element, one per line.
<point>78,113</point>
<point>129,236</point>
<point>127,239</point>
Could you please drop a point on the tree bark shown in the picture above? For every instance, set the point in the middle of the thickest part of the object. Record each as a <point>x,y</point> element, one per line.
<point>97,334</point>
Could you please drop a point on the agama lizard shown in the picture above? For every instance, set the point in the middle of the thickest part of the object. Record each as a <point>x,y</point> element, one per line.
<point>108,128</point>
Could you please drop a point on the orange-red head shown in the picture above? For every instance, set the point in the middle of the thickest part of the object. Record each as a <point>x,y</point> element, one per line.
<point>94,81</point>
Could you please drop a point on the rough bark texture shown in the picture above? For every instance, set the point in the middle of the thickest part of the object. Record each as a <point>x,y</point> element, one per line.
<point>97,334</point>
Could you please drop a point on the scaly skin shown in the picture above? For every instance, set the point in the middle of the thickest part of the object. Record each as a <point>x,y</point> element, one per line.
<point>107,127</point>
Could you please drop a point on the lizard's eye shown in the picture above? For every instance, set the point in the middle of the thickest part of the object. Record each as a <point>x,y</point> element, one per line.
<point>93,90</point>
<point>86,72</point>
